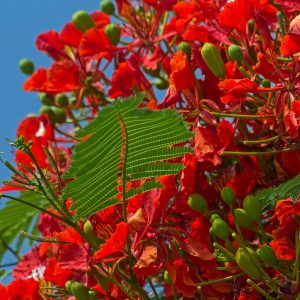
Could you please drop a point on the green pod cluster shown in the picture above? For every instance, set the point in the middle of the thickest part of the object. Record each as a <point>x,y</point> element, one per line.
<point>252,208</point>
<point>197,203</point>
<point>245,259</point>
<point>62,100</point>
<point>213,60</point>
<point>82,21</point>
<point>90,235</point>
<point>93,295</point>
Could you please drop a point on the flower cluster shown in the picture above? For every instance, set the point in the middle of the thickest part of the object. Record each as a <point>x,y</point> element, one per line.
<point>232,70</point>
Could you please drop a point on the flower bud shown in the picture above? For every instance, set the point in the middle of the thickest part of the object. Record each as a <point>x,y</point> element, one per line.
<point>242,218</point>
<point>90,235</point>
<point>59,115</point>
<point>113,33</point>
<point>26,66</point>
<point>82,21</point>
<point>213,59</point>
<point>62,100</point>
<point>220,229</point>
<point>107,7</point>
<point>46,99</point>
<point>186,48</point>
<point>267,255</point>
<point>235,53</point>
<point>93,295</point>
<point>265,83</point>
<point>214,217</point>
<point>252,208</point>
<point>80,291</point>
<point>228,196</point>
<point>68,286</point>
<point>244,259</point>
<point>197,203</point>
<point>251,24</point>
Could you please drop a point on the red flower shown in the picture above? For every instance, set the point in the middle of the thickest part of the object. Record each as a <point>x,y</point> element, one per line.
<point>23,289</point>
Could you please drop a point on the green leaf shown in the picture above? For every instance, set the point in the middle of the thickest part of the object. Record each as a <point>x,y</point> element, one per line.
<point>122,144</point>
<point>15,217</point>
<point>290,188</point>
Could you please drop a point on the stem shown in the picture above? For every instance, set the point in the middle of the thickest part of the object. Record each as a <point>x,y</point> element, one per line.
<point>257,153</point>
<point>296,266</point>
<point>8,265</point>
<point>12,251</point>
<point>253,142</point>
<point>228,254</point>
<point>227,278</point>
<point>153,288</point>
<point>259,289</point>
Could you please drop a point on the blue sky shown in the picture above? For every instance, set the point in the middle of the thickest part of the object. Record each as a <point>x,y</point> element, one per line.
<point>21,21</point>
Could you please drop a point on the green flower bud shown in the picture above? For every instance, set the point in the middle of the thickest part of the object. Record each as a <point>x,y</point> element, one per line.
<point>267,255</point>
<point>228,196</point>
<point>242,218</point>
<point>215,217</point>
<point>252,208</point>
<point>80,291</point>
<point>213,59</point>
<point>161,83</point>
<point>186,48</point>
<point>212,231</point>
<point>107,7</point>
<point>26,66</point>
<point>68,286</point>
<point>221,229</point>
<point>235,53</point>
<point>90,235</point>
<point>265,83</point>
<point>59,115</point>
<point>113,33</point>
<point>46,99</point>
<point>82,21</point>
<point>251,24</point>
<point>62,100</point>
<point>245,262</point>
<point>167,277</point>
<point>93,295</point>
<point>197,203</point>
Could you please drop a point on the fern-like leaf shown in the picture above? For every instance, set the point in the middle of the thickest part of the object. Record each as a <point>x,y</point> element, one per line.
<point>122,144</point>
<point>290,188</point>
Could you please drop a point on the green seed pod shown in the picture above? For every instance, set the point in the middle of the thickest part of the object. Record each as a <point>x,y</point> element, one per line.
<point>161,83</point>
<point>213,59</point>
<point>167,277</point>
<point>186,48</point>
<point>26,66</point>
<point>197,203</point>
<point>62,100</point>
<point>245,262</point>
<point>265,83</point>
<point>107,7</point>
<point>80,291</point>
<point>93,295</point>
<point>235,53</point>
<point>68,286</point>
<point>267,255</point>
<point>212,231</point>
<point>113,33</point>
<point>59,115</point>
<point>251,24</point>
<point>82,21</point>
<point>215,217</point>
<point>228,196</point>
<point>46,99</point>
<point>252,208</point>
<point>242,218</point>
<point>90,235</point>
<point>45,110</point>
<point>221,229</point>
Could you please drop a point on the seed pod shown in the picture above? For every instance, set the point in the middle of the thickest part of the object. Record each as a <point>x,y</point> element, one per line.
<point>245,262</point>
<point>228,196</point>
<point>68,286</point>
<point>252,208</point>
<point>46,99</point>
<point>186,48</point>
<point>235,53</point>
<point>82,21</point>
<point>242,218</point>
<point>214,217</point>
<point>59,115</point>
<point>93,295</point>
<point>113,33</point>
<point>251,24</point>
<point>197,203</point>
<point>167,277</point>
<point>220,229</point>
<point>213,59</point>
<point>80,291</point>
<point>265,83</point>
<point>90,235</point>
<point>107,7</point>
<point>267,255</point>
<point>62,100</point>
<point>26,66</point>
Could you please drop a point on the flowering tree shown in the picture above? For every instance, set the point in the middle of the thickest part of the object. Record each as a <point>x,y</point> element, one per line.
<point>190,192</point>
